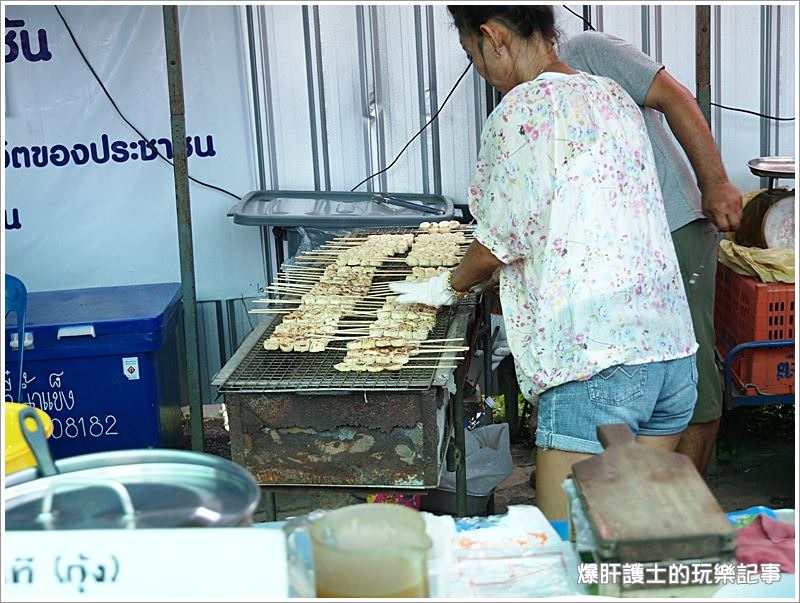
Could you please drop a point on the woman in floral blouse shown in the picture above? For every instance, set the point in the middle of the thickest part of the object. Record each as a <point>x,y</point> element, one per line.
<point>567,203</point>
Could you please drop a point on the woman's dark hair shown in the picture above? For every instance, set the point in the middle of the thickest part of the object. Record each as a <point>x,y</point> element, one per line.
<point>523,20</point>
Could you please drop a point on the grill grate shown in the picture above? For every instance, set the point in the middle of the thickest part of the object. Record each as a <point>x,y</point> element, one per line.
<point>270,371</point>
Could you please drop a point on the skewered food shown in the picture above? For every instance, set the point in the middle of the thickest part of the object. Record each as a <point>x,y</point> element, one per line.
<point>436,249</point>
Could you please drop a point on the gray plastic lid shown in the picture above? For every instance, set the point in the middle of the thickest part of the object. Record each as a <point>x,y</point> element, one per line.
<point>339,209</point>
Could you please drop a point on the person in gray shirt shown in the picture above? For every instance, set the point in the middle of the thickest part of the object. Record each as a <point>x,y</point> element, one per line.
<point>696,205</point>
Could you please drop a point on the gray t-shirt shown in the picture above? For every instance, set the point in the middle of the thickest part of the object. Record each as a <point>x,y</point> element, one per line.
<point>605,55</point>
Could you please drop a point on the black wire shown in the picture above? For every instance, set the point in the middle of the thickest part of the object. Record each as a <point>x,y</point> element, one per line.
<point>754,113</point>
<point>714,104</point>
<point>585,22</point>
<point>430,121</point>
<point>125,119</point>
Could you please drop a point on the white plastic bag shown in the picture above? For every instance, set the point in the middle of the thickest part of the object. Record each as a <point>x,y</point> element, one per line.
<point>488,453</point>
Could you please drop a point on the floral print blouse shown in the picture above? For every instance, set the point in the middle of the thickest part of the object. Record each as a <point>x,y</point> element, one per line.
<point>566,195</point>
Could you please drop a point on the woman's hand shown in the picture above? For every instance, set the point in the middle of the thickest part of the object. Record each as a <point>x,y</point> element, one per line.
<point>434,292</point>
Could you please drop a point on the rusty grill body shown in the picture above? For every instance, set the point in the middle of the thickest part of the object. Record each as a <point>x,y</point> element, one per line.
<point>297,421</point>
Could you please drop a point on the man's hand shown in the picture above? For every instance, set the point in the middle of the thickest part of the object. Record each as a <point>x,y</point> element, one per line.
<point>722,204</point>
<point>433,292</point>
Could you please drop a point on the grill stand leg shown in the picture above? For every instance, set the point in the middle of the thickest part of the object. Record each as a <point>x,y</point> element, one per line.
<point>460,455</point>
<point>267,504</point>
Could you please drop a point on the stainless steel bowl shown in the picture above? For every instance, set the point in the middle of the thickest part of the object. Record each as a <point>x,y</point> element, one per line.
<point>156,488</point>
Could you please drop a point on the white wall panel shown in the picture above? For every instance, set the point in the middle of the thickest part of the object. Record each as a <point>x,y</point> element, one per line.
<point>400,82</point>
<point>459,141</point>
<point>786,81</point>
<point>740,87</point>
<point>288,98</point>
<point>340,68</point>
<point>677,43</point>
<point>624,21</point>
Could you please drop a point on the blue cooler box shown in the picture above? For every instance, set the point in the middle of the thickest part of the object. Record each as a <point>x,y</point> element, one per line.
<point>105,364</point>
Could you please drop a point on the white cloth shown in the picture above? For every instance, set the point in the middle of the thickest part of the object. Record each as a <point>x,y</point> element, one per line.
<point>433,292</point>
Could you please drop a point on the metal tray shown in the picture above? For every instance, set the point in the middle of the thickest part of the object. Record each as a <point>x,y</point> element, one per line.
<point>772,167</point>
<point>339,209</point>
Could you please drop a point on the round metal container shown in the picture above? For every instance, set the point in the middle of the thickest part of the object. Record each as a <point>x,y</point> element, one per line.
<point>132,489</point>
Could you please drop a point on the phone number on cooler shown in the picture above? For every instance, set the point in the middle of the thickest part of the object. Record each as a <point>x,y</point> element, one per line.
<point>84,426</point>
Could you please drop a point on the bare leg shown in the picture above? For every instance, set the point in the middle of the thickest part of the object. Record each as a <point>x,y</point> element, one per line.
<point>667,443</point>
<point>697,442</point>
<point>552,468</point>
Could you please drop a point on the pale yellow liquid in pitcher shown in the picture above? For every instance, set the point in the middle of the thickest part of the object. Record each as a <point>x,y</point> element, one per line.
<point>416,591</point>
<point>368,562</point>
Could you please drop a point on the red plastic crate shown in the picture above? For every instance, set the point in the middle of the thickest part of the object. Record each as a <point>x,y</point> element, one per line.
<point>745,309</point>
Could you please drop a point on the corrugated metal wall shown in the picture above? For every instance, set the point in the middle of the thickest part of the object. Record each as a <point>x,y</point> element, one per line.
<point>340,89</point>
<point>343,88</point>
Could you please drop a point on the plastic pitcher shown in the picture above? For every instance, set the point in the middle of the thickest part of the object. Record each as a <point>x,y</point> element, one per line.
<point>366,550</point>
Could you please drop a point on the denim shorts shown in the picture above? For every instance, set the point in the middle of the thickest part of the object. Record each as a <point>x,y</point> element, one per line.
<point>653,399</point>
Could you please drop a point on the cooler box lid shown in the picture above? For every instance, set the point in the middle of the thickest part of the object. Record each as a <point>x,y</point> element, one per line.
<point>98,320</point>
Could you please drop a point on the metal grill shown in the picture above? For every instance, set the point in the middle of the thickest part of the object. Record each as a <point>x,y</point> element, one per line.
<point>266,371</point>
<point>256,370</point>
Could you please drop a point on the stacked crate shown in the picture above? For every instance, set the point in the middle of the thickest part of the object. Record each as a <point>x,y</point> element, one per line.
<point>748,310</point>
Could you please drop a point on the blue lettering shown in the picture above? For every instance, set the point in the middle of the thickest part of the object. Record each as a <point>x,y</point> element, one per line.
<point>120,151</point>
<point>147,150</point>
<point>43,54</point>
<point>106,152</point>
<point>785,370</point>
<point>84,153</point>
<point>103,151</point>
<point>209,152</point>
<point>167,144</point>
<point>15,223</point>
<point>39,156</point>
<point>15,154</point>
<point>12,50</point>
<point>59,161</point>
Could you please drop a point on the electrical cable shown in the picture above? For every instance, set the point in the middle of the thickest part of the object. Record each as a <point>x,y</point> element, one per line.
<point>713,104</point>
<point>430,121</point>
<point>585,22</point>
<point>753,113</point>
<point>125,119</point>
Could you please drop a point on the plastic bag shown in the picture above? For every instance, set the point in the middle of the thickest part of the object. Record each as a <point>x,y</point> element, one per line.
<point>770,265</point>
<point>488,455</point>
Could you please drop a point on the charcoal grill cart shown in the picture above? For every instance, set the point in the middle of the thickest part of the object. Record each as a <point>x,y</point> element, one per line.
<point>298,422</point>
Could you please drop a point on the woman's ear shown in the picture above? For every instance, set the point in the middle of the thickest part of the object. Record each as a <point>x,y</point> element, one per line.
<point>497,35</point>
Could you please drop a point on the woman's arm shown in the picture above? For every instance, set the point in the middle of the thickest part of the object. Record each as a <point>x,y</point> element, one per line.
<point>476,265</point>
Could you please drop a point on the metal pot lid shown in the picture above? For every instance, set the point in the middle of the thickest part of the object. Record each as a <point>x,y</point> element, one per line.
<point>132,489</point>
<point>772,167</point>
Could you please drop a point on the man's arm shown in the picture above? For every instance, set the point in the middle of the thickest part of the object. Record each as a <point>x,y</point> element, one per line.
<point>722,202</point>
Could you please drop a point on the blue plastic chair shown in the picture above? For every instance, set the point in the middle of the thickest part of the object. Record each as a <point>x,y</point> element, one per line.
<point>17,301</point>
